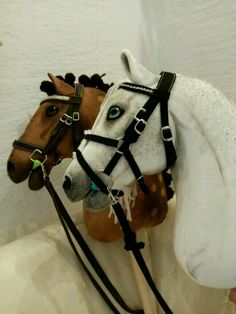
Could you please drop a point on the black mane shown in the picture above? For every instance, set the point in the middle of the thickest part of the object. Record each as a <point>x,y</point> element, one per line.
<point>95,81</point>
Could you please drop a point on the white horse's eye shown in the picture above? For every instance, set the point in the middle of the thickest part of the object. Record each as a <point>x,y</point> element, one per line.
<point>114,112</point>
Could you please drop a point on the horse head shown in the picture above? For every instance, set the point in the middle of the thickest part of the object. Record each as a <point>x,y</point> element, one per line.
<point>50,128</point>
<point>147,211</point>
<point>119,108</point>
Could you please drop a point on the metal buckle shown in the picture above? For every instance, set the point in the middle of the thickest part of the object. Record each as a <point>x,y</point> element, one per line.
<point>120,142</point>
<point>163,129</point>
<point>66,119</point>
<point>139,121</point>
<point>141,110</point>
<point>75,116</point>
<point>114,199</point>
<point>136,125</point>
<point>140,179</point>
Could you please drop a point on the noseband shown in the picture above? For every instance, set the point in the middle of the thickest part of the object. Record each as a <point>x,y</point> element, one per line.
<point>67,120</point>
<point>159,95</point>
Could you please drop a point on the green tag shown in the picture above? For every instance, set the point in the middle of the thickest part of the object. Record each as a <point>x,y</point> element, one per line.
<point>36,163</point>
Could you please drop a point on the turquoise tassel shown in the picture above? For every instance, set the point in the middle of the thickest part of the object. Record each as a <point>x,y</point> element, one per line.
<point>93,187</point>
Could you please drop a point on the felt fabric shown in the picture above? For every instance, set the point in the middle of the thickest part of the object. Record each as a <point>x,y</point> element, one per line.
<point>39,274</point>
<point>202,121</point>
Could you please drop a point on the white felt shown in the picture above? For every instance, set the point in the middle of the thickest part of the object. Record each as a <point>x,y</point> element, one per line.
<point>203,124</point>
<point>204,177</point>
<point>39,274</point>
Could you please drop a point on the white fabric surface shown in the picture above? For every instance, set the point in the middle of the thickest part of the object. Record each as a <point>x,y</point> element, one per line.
<point>39,274</point>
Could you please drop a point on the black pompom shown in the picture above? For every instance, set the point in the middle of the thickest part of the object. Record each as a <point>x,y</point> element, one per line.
<point>70,79</point>
<point>48,87</point>
<point>85,80</point>
<point>96,80</point>
<point>105,87</point>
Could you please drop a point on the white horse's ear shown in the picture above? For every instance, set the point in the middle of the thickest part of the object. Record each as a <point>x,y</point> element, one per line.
<point>136,72</point>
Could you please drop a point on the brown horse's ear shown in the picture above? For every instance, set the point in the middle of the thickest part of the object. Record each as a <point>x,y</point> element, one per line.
<point>61,87</point>
<point>101,98</point>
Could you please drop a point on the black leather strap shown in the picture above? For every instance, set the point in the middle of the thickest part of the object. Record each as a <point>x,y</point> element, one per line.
<point>102,140</point>
<point>68,224</point>
<point>164,89</point>
<point>129,236</point>
<point>19,144</point>
<point>136,127</point>
<point>132,245</point>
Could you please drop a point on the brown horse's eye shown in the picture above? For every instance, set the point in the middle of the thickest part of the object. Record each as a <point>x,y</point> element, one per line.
<point>51,111</point>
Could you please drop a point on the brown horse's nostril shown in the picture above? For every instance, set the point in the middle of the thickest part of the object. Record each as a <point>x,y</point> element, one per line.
<point>67,184</point>
<point>10,167</point>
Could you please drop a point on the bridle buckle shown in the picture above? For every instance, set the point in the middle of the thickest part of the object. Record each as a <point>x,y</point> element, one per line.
<point>66,119</point>
<point>75,116</point>
<point>119,144</point>
<point>141,123</point>
<point>166,133</point>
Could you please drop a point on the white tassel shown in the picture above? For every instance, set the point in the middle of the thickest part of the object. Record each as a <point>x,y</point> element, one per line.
<point>112,212</point>
<point>127,202</point>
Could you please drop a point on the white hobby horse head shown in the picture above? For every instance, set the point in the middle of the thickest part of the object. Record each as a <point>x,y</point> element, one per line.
<point>203,124</point>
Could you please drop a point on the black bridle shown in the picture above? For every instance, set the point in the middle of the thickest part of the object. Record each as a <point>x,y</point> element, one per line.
<point>69,119</point>
<point>159,95</point>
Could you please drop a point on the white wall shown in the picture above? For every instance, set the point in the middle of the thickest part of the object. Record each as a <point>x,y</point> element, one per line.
<point>82,36</point>
<point>197,38</point>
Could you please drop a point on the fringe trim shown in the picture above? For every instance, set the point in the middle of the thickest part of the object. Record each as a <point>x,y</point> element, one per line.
<point>127,202</point>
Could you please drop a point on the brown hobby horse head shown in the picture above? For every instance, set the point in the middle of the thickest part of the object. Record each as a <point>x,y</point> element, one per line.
<point>148,210</point>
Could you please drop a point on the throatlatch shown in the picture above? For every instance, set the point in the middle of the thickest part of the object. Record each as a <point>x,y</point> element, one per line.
<point>159,95</point>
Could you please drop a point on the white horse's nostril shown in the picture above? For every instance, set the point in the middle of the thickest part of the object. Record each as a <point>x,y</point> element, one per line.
<point>67,184</point>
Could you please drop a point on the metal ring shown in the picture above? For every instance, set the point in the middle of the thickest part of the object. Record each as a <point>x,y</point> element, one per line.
<point>40,152</point>
<point>119,139</point>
